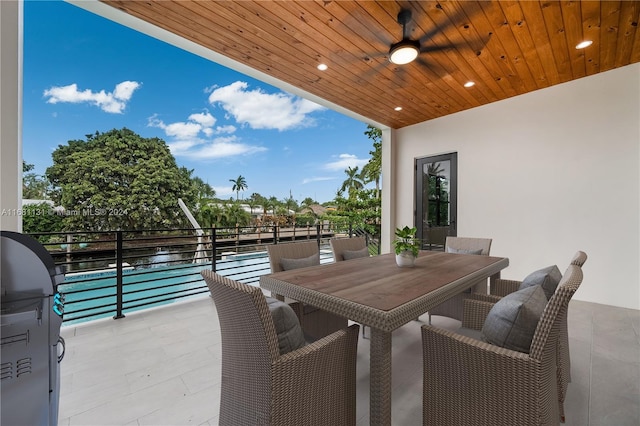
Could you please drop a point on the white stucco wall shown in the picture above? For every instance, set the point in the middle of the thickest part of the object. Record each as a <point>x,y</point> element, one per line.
<point>10,114</point>
<point>546,174</point>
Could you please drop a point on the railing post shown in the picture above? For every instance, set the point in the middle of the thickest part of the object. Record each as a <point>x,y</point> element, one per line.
<point>275,234</point>
<point>68,248</point>
<point>214,237</point>
<point>119,286</point>
<point>318,235</point>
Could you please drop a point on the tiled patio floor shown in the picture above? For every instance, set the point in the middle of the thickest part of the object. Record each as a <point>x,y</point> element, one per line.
<point>161,367</point>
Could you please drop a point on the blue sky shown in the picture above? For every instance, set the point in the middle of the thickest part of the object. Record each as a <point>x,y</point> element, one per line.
<point>83,73</point>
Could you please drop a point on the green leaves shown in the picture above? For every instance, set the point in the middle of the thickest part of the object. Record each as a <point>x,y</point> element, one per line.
<point>406,240</point>
<point>239,184</point>
<point>119,180</point>
<point>34,186</point>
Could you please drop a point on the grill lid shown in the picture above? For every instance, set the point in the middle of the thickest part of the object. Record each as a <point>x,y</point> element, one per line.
<point>26,266</point>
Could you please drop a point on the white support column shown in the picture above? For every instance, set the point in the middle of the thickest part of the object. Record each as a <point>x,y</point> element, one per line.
<point>388,224</point>
<point>11,114</point>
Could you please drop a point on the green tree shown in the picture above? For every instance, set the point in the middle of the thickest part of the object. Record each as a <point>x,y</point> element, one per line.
<point>202,189</point>
<point>372,171</point>
<point>217,215</point>
<point>119,180</point>
<point>236,215</point>
<point>252,205</point>
<point>204,197</point>
<point>258,200</point>
<point>34,186</point>
<point>353,183</point>
<point>360,211</point>
<point>239,184</point>
<point>361,207</point>
<point>274,204</point>
<point>254,201</point>
<point>290,203</point>
<point>437,195</point>
<point>41,217</point>
<point>307,202</point>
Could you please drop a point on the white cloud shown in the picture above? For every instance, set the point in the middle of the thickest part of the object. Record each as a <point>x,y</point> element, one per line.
<point>261,110</point>
<point>222,147</point>
<point>124,90</point>
<point>191,138</point>
<point>226,129</point>
<point>113,102</point>
<point>222,191</point>
<point>183,130</point>
<point>196,123</point>
<point>203,118</point>
<point>317,179</point>
<point>183,147</point>
<point>344,161</point>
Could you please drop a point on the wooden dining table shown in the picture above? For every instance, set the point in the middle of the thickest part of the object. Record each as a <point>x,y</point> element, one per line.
<point>375,292</point>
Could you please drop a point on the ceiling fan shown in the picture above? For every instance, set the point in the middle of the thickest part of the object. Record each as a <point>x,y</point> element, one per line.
<point>407,49</point>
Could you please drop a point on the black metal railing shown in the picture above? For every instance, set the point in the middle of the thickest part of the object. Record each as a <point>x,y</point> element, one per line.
<point>111,273</point>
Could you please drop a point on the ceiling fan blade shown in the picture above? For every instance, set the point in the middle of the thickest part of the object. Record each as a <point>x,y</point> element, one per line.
<point>449,46</point>
<point>436,69</point>
<point>374,70</point>
<point>457,18</point>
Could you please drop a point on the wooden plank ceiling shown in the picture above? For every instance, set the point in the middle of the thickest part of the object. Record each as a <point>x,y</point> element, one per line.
<point>507,48</point>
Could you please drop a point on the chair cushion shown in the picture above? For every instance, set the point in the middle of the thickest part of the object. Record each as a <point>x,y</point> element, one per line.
<point>463,251</point>
<point>355,254</point>
<point>512,321</point>
<point>303,262</point>
<point>548,278</point>
<point>290,335</point>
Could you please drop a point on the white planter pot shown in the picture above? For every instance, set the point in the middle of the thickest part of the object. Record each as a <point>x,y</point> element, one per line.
<point>406,259</point>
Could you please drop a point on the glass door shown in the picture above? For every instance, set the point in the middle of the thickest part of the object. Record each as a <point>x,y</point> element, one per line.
<point>436,199</point>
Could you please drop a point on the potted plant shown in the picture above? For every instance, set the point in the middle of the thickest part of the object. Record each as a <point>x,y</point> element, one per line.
<point>406,246</point>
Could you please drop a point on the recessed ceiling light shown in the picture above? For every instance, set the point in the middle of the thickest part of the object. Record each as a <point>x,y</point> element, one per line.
<point>322,67</point>
<point>469,84</point>
<point>398,108</point>
<point>584,44</point>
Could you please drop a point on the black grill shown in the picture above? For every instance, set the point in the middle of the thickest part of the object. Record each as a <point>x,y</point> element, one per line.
<point>30,319</point>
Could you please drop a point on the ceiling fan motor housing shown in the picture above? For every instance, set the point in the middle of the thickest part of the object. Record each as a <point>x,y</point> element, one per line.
<point>406,50</point>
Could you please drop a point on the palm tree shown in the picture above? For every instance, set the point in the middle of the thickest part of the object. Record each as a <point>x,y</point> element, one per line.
<point>373,169</point>
<point>203,190</point>
<point>308,202</point>
<point>239,184</point>
<point>290,203</point>
<point>213,215</point>
<point>266,205</point>
<point>252,205</point>
<point>236,215</point>
<point>353,183</point>
<point>274,203</point>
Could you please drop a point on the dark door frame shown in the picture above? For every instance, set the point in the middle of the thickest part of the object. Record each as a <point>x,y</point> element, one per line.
<point>452,157</point>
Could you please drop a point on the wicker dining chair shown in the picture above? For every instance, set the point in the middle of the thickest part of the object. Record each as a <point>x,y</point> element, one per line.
<point>315,322</point>
<point>468,381</point>
<point>351,248</point>
<point>502,287</point>
<point>312,385</point>
<point>452,308</point>
<point>355,247</point>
